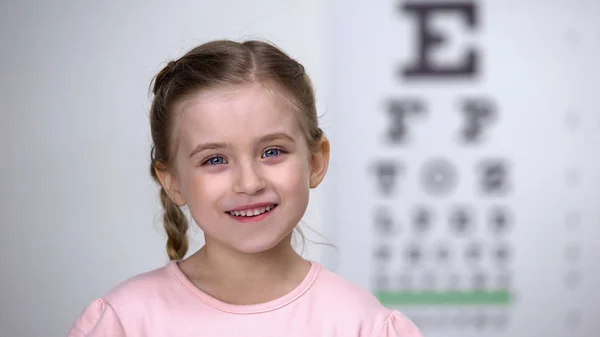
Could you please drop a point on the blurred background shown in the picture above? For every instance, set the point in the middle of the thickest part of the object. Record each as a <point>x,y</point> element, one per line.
<point>464,182</point>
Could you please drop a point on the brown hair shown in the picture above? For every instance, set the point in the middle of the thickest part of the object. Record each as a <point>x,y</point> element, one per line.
<point>210,65</point>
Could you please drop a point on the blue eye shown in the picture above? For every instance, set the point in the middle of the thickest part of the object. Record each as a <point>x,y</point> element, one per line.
<point>272,152</point>
<point>216,160</point>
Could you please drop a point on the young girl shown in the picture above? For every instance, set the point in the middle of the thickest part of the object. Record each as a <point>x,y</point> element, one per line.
<point>236,139</point>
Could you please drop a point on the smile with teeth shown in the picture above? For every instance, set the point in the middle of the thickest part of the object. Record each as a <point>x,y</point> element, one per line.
<point>252,212</point>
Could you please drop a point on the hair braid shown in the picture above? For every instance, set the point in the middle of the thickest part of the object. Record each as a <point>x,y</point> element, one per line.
<point>176,226</point>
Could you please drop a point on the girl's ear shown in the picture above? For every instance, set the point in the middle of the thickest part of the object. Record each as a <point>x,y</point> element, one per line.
<point>319,162</point>
<point>170,184</point>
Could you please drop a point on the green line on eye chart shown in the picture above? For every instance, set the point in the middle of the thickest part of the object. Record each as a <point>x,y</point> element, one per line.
<point>498,297</point>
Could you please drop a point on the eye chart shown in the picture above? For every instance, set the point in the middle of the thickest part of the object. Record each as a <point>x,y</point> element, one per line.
<point>466,163</point>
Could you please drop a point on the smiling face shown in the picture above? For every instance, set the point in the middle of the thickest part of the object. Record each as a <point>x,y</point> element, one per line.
<point>243,166</point>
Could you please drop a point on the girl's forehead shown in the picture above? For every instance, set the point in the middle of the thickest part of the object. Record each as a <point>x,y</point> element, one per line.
<point>235,110</point>
<point>251,98</point>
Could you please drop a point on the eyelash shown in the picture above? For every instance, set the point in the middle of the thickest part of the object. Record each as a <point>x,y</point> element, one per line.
<point>281,151</point>
<point>207,160</point>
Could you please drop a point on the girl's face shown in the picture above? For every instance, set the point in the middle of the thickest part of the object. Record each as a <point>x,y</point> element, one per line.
<point>244,167</point>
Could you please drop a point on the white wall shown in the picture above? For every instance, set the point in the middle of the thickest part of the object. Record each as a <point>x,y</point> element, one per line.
<point>79,210</point>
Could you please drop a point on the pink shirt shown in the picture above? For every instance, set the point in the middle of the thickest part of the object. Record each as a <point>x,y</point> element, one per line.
<point>164,303</point>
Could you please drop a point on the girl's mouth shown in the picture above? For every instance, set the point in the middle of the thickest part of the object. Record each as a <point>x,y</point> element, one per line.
<point>252,214</point>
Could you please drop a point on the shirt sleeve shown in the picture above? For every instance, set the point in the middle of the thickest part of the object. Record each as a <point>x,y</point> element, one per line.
<point>98,320</point>
<point>397,325</point>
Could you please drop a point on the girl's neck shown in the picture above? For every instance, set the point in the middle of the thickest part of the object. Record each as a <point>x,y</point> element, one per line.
<point>240,278</point>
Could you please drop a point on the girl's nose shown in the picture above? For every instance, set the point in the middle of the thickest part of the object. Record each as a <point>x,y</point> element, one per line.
<point>249,180</point>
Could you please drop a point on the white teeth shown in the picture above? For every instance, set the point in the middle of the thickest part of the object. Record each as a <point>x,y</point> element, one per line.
<point>252,212</point>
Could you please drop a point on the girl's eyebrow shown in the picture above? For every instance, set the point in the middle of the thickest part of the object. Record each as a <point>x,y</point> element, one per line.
<point>276,136</point>
<point>208,146</point>
<point>216,146</point>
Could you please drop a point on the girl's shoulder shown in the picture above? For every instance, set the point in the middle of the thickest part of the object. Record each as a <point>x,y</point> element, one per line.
<point>342,300</point>
<point>105,316</point>
<point>335,289</point>
<point>141,286</point>
<point>98,319</point>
